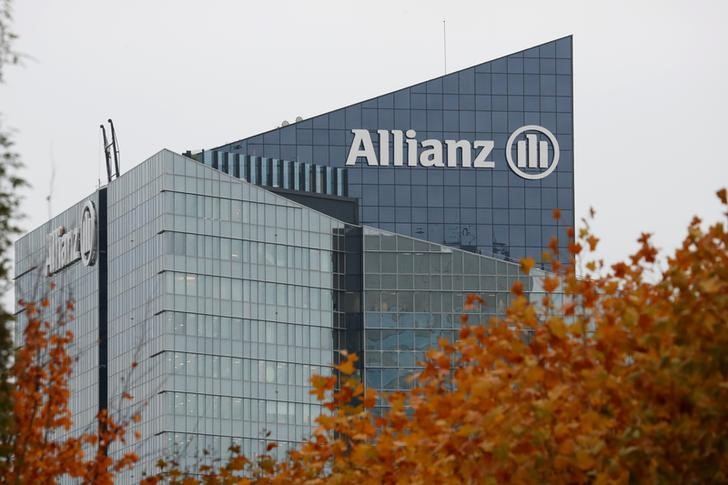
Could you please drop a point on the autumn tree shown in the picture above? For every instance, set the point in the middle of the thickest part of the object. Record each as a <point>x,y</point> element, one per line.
<point>626,382</point>
<point>41,446</point>
<point>10,183</point>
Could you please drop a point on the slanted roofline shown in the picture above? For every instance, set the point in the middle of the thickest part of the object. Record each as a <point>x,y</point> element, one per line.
<point>225,145</point>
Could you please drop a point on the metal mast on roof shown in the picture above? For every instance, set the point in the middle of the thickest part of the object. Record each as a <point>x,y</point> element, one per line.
<point>115,144</point>
<point>444,44</point>
<point>108,147</point>
<point>106,154</point>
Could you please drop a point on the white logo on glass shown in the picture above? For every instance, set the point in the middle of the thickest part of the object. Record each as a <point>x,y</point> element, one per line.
<point>532,152</point>
<point>68,246</point>
<point>88,241</point>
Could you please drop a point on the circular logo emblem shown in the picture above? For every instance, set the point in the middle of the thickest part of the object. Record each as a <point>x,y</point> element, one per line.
<point>88,234</point>
<point>532,152</point>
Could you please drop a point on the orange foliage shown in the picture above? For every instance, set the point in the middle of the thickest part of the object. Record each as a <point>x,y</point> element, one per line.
<point>626,382</point>
<point>38,450</point>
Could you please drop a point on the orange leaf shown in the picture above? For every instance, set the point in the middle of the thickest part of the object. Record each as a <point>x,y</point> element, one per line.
<point>723,195</point>
<point>347,367</point>
<point>550,284</point>
<point>527,264</point>
<point>592,242</point>
<point>557,327</point>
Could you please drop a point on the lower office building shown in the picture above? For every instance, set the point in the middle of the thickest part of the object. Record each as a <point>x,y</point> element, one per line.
<point>231,276</point>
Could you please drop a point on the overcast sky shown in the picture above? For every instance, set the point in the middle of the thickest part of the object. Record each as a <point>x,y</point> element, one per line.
<point>650,86</point>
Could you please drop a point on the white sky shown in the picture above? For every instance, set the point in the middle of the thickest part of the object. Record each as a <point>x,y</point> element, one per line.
<point>650,84</point>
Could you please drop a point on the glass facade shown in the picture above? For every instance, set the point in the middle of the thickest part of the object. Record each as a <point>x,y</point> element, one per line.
<point>228,297</point>
<point>76,282</point>
<point>414,294</point>
<point>251,306</point>
<point>484,210</point>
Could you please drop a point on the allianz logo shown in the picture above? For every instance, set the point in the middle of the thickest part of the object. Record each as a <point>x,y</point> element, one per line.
<point>68,246</point>
<point>533,159</point>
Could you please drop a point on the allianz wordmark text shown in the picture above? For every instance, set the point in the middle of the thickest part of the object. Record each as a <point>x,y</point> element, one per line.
<point>68,246</point>
<point>531,143</point>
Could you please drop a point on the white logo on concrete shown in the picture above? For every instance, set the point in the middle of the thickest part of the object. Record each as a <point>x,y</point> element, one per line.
<point>532,157</point>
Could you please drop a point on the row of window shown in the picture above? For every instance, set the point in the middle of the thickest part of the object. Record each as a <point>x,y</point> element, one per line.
<point>471,225</point>
<point>498,92</point>
<point>399,359</point>
<point>247,212</point>
<point>431,320</point>
<point>405,339</point>
<point>424,262</point>
<point>193,285</point>
<point>499,176</point>
<point>492,116</point>
<point>260,272</point>
<point>484,197</point>
<point>254,331</point>
<point>284,435</point>
<point>435,122</point>
<point>437,282</point>
<point>531,98</point>
<point>390,379</point>
<point>233,368</point>
<point>490,236</point>
<point>238,230</point>
<point>239,251</point>
<point>227,308</point>
<point>381,241</point>
<point>239,388</point>
<point>254,410</point>
<point>203,448</point>
<point>421,301</point>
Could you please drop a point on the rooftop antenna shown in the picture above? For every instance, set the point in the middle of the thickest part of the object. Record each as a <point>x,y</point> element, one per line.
<point>107,155</point>
<point>115,143</point>
<point>108,148</point>
<point>49,197</point>
<point>98,170</point>
<point>444,44</point>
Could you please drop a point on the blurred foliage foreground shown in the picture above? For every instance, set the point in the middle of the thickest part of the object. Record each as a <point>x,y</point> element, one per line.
<point>624,383</point>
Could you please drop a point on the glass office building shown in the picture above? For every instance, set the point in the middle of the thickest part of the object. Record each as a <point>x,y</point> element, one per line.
<point>485,210</point>
<point>232,275</point>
